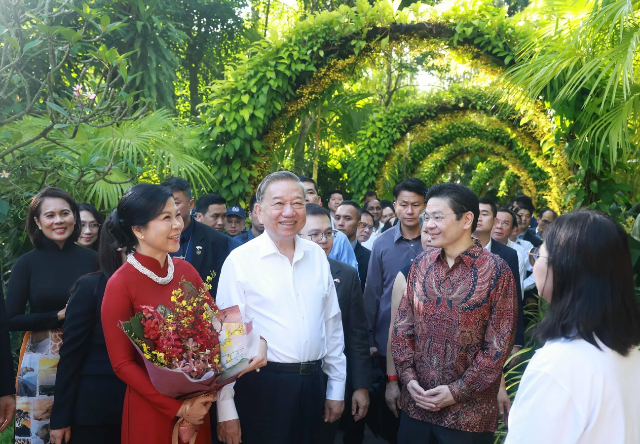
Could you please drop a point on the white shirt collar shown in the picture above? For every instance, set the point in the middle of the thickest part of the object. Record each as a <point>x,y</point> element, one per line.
<point>268,246</point>
<point>488,246</point>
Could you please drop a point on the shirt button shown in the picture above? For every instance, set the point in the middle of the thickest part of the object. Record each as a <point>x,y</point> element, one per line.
<point>411,260</point>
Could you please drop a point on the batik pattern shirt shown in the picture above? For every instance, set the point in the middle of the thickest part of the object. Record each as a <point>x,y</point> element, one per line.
<point>456,326</point>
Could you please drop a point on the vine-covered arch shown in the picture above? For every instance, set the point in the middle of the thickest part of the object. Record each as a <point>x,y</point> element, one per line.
<point>446,117</point>
<point>247,112</point>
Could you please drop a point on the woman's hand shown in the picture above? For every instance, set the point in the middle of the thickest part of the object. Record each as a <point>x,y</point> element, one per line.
<point>62,313</point>
<point>194,410</point>
<point>7,410</point>
<point>258,361</point>
<point>60,436</point>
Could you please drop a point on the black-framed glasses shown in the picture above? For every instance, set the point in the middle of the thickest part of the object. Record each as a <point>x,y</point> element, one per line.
<point>317,237</point>
<point>92,226</point>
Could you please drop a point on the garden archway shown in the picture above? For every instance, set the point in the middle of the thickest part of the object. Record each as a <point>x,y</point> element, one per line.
<point>250,109</point>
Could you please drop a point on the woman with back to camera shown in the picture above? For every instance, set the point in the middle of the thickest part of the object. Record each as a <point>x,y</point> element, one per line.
<point>583,385</point>
<point>90,222</point>
<point>148,228</point>
<point>89,396</point>
<point>42,279</point>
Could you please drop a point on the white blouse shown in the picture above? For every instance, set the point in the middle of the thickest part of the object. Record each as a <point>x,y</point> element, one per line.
<point>572,392</point>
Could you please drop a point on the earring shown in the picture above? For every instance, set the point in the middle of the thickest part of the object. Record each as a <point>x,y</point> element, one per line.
<point>141,237</point>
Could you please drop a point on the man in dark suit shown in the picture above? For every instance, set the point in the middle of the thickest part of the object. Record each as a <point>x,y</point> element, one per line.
<point>200,245</point>
<point>488,212</point>
<point>347,220</point>
<point>7,381</point>
<point>356,348</point>
<point>524,209</point>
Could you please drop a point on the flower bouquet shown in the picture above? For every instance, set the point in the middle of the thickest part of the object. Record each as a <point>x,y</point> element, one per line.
<point>191,348</point>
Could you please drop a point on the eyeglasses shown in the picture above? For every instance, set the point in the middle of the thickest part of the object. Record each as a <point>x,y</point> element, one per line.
<point>534,255</point>
<point>437,218</point>
<point>317,237</point>
<point>92,226</point>
<point>364,226</point>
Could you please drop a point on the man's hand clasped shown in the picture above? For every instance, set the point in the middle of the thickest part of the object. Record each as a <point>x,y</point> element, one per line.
<point>432,400</point>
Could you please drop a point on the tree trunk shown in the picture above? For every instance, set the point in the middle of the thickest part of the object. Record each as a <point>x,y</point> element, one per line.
<point>194,96</point>
<point>298,151</point>
<point>316,155</point>
<point>266,18</point>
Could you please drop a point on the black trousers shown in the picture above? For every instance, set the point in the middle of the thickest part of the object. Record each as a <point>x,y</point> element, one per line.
<point>413,431</point>
<point>280,408</point>
<point>95,434</point>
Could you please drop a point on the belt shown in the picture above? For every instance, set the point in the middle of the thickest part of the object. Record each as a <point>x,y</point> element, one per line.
<point>301,368</point>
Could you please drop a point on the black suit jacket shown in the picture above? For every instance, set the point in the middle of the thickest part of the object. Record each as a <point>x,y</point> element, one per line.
<point>530,236</point>
<point>363,255</point>
<point>354,324</point>
<point>87,390</point>
<point>209,250</point>
<point>510,256</point>
<point>7,379</point>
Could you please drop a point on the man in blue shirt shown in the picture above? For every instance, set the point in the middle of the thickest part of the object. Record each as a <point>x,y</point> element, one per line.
<point>342,250</point>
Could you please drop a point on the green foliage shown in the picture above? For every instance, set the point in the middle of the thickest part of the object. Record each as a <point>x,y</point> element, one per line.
<point>378,141</point>
<point>215,33</point>
<point>55,63</point>
<point>487,27</point>
<point>152,34</point>
<point>484,173</point>
<point>256,90</point>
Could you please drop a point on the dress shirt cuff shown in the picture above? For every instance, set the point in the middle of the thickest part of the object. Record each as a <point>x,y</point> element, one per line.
<point>335,390</point>
<point>226,410</point>
<point>225,405</point>
<point>459,391</point>
<point>407,375</point>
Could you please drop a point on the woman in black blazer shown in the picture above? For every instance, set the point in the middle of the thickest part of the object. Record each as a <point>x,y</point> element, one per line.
<point>88,397</point>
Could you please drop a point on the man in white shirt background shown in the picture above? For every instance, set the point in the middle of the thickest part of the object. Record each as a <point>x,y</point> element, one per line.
<point>375,208</point>
<point>283,283</point>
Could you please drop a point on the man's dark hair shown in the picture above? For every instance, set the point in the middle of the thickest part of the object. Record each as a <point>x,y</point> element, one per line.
<point>316,210</point>
<point>544,210</point>
<point>514,218</point>
<point>487,201</point>
<point>412,185</point>
<point>252,203</point>
<point>365,212</point>
<point>593,290</point>
<point>370,193</point>
<point>308,179</point>
<point>332,192</point>
<point>460,198</point>
<point>203,204</point>
<point>178,184</point>
<point>523,202</point>
<point>387,204</point>
<point>351,204</point>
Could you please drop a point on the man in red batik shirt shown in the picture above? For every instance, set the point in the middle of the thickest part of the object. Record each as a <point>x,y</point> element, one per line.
<point>455,328</point>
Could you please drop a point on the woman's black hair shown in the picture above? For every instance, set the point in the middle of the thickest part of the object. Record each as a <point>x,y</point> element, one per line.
<point>84,206</point>
<point>138,206</point>
<point>35,234</point>
<point>109,258</point>
<point>593,293</point>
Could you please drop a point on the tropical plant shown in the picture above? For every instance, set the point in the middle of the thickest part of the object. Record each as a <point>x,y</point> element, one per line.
<point>54,63</point>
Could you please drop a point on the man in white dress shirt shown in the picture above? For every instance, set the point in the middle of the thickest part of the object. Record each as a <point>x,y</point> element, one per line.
<point>283,283</point>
